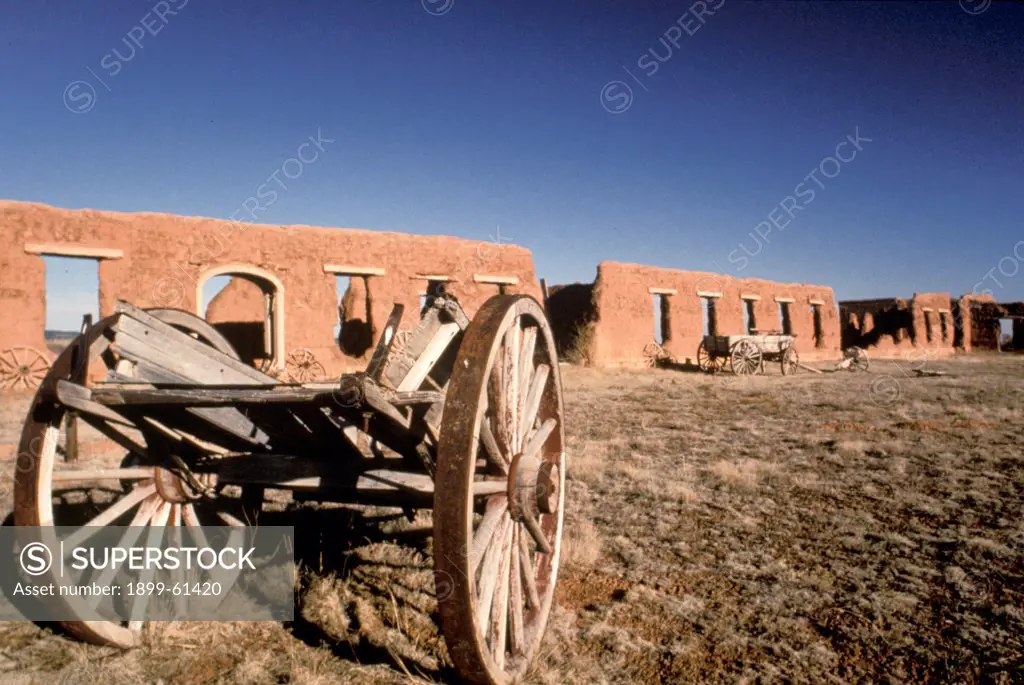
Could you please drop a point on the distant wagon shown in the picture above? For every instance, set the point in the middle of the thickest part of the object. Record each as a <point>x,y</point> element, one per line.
<point>747,354</point>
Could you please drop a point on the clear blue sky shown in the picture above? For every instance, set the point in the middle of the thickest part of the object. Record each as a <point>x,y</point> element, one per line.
<point>496,114</point>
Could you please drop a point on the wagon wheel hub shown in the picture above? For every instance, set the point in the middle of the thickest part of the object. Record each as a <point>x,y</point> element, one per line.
<point>533,487</point>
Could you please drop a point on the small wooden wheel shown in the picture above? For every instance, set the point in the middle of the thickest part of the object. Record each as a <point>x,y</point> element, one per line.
<point>496,557</point>
<point>790,361</point>
<point>48,492</point>
<point>303,367</point>
<point>707,362</point>
<point>654,355</point>
<point>745,358</point>
<point>22,368</point>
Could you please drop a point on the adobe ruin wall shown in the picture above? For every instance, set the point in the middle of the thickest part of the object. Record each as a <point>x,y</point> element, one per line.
<point>162,260</point>
<point>623,318</point>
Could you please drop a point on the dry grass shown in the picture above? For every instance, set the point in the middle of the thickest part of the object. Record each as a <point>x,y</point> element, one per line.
<point>720,530</point>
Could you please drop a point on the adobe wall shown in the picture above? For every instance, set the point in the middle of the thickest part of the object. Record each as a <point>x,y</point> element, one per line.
<point>625,313</point>
<point>894,327</point>
<point>165,256</point>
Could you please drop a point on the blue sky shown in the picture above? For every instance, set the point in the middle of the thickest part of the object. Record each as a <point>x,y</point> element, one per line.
<point>462,117</point>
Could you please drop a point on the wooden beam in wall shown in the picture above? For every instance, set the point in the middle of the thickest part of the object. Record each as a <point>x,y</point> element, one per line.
<point>785,299</point>
<point>432,277</point>
<point>708,293</point>
<point>820,303</point>
<point>348,270</point>
<point>754,298</point>
<point>663,291</point>
<point>496,280</point>
<point>74,251</point>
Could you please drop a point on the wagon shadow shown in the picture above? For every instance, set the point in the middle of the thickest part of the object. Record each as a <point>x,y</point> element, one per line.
<point>327,544</point>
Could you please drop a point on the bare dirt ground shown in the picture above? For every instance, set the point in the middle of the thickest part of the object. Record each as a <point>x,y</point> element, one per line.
<point>817,528</point>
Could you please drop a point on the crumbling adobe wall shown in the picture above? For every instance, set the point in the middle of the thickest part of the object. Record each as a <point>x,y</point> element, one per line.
<point>165,256</point>
<point>895,326</point>
<point>625,314</point>
<point>982,322</point>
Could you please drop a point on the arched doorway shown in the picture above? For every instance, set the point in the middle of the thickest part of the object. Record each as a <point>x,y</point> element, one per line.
<point>246,304</point>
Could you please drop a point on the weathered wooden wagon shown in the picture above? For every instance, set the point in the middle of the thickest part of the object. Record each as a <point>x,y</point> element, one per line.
<point>465,418</point>
<point>746,354</point>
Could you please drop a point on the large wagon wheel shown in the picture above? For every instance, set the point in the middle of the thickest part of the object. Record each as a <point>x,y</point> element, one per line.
<point>22,368</point>
<point>790,361</point>
<point>137,495</point>
<point>745,358</point>
<point>496,559</point>
<point>708,362</point>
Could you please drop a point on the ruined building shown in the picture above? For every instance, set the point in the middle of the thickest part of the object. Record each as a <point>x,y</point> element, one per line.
<point>630,305</point>
<point>316,299</point>
<point>932,323</point>
<point>282,299</point>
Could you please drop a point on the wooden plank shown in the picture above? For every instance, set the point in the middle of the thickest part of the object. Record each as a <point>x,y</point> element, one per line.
<point>177,351</point>
<point>788,300</point>
<point>78,398</point>
<point>662,291</point>
<point>399,365</point>
<point>408,397</point>
<point>297,473</point>
<point>136,394</point>
<point>808,368</point>
<point>349,270</point>
<point>230,420</point>
<point>752,298</point>
<point>429,356</point>
<point>378,362</point>
<point>66,250</point>
<point>442,278</point>
<point>708,293</point>
<point>495,279</point>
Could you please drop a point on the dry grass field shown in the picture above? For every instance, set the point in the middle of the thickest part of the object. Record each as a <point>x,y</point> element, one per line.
<point>818,528</point>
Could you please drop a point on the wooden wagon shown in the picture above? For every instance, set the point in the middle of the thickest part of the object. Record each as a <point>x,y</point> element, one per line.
<point>465,418</point>
<point>746,354</point>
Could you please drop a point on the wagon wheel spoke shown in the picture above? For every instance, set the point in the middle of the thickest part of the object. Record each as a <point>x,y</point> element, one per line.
<point>150,508</point>
<point>503,562</point>
<point>111,514</point>
<point>533,399</point>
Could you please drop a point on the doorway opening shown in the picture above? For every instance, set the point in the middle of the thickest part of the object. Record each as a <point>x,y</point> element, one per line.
<point>709,315</point>
<point>72,291</point>
<point>246,305</point>
<point>353,329</point>
<point>662,318</point>
<point>785,320</point>
<point>749,316</point>
<point>819,328</point>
